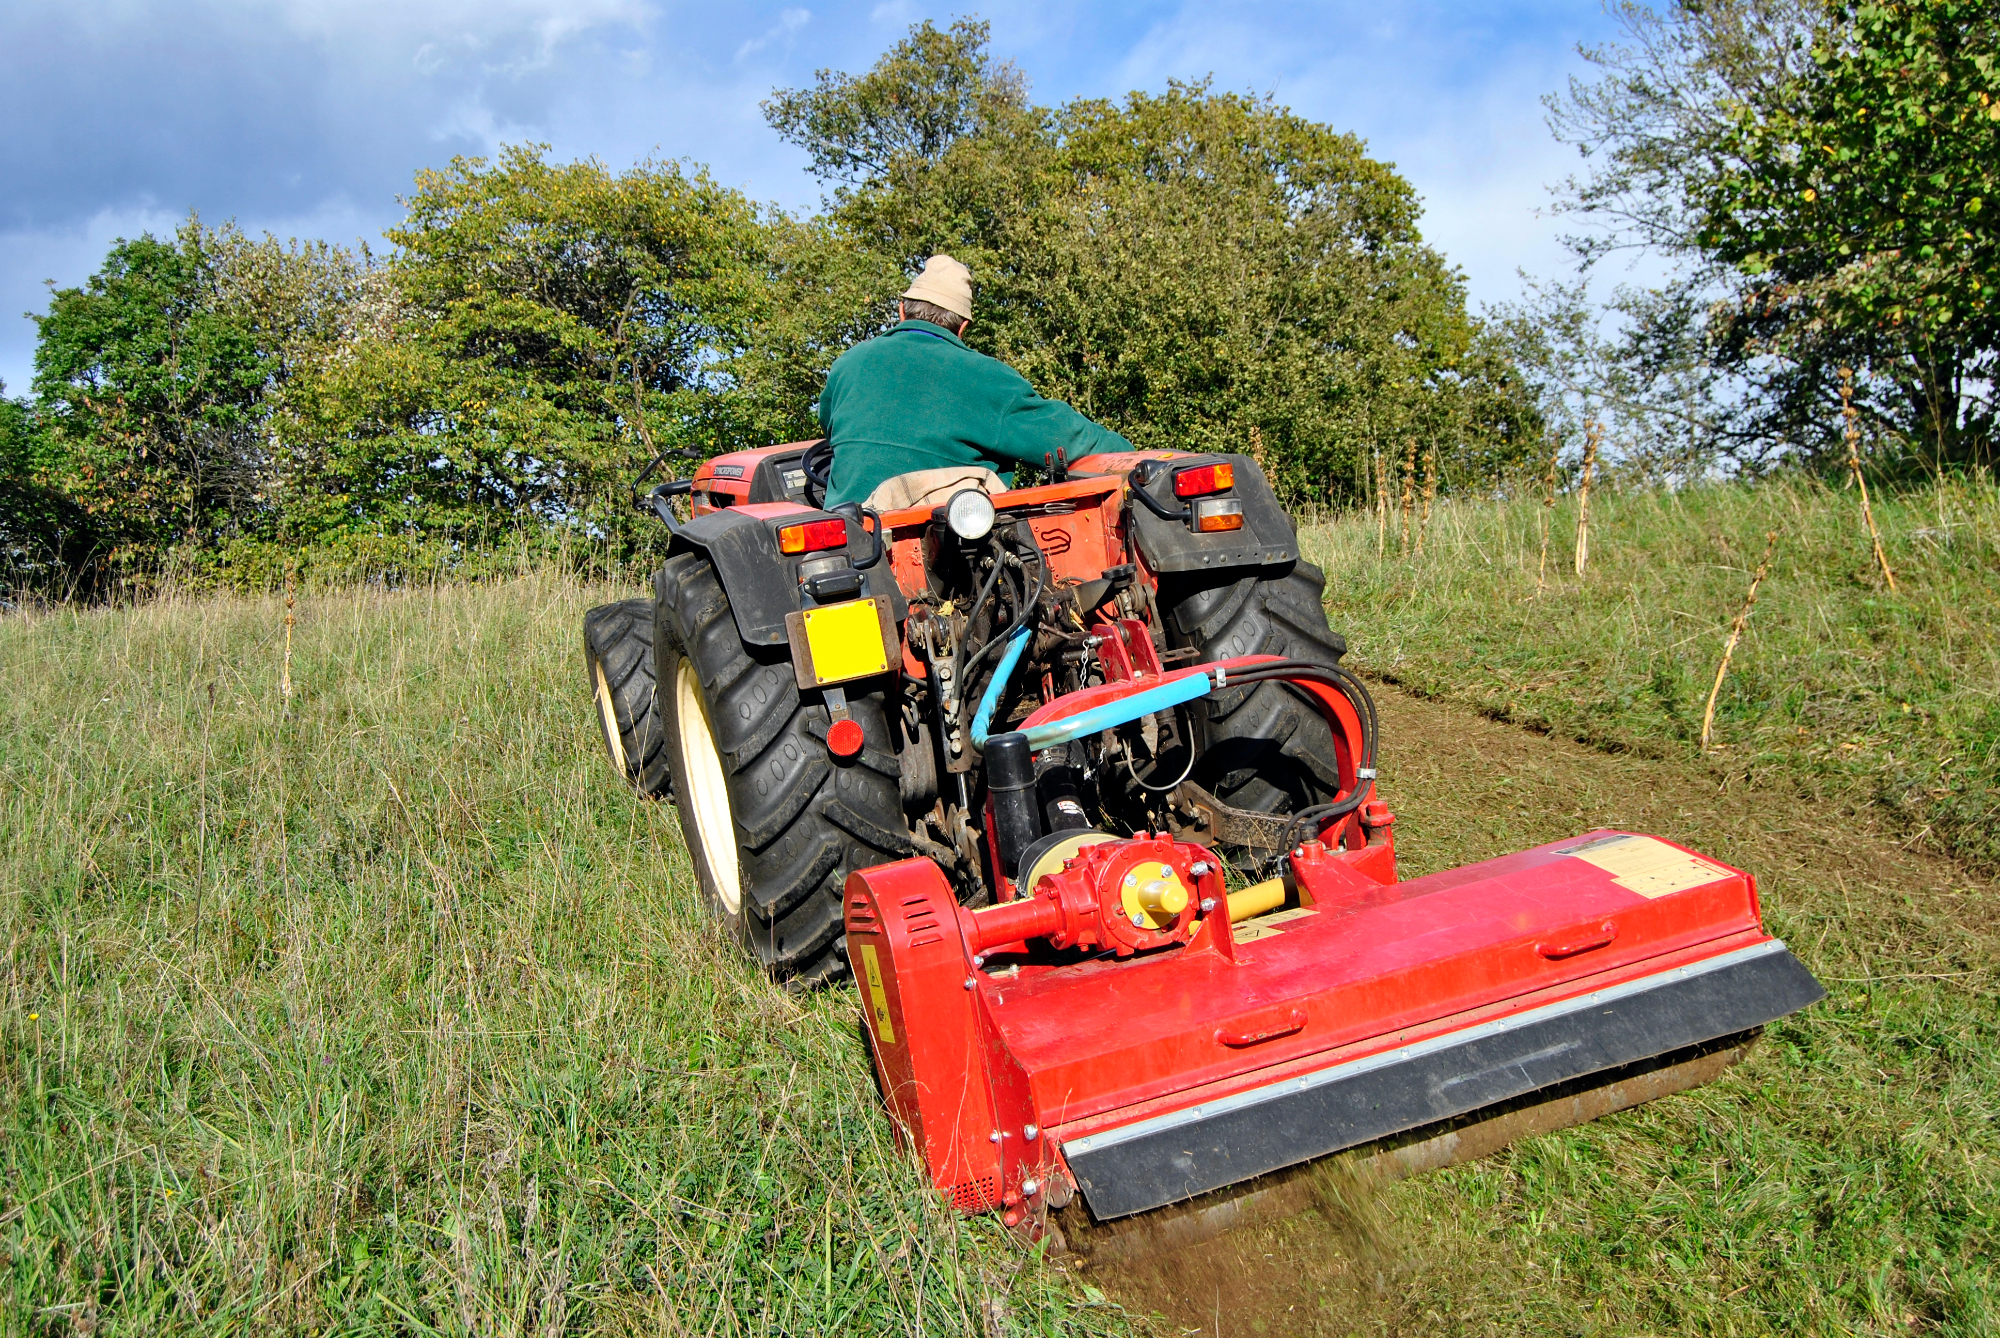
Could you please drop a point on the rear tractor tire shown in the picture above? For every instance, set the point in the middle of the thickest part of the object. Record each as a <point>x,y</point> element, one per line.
<point>618,663</point>
<point>774,823</point>
<point>1264,747</point>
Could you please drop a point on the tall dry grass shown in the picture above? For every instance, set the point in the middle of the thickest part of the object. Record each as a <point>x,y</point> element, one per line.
<point>391,1012</point>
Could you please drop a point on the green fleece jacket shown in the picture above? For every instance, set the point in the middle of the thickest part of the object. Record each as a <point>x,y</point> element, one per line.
<point>918,398</point>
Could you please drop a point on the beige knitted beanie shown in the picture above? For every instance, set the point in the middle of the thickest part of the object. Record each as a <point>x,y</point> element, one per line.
<point>944,283</point>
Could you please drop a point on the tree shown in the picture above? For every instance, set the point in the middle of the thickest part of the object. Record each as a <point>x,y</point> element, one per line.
<point>38,526</point>
<point>147,394</point>
<point>1195,269</point>
<point>927,93</point>
<point>1854,202</point>
<point>1821,177</point>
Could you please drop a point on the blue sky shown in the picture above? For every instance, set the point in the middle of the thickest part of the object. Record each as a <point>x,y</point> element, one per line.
<point>308,117</point>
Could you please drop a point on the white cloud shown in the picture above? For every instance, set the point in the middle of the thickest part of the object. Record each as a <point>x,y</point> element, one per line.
<point>789,22</point>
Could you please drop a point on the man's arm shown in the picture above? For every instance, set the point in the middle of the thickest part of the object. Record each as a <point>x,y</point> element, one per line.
<point>1033,429</point>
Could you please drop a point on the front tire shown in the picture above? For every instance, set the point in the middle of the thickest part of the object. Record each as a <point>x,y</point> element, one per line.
<point>773,822</point>
<point>618,664</point>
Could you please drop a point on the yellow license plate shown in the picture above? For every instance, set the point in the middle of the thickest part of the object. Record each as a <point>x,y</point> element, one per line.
<point>845,641</point>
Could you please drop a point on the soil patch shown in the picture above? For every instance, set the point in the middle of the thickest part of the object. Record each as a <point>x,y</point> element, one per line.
<point>1378,1258</point>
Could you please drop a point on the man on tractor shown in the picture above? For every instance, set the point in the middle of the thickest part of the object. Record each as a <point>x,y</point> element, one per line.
<point>914,415</point>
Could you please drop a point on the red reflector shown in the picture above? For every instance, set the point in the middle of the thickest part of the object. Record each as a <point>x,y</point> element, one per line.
<point>812,536</point>
<point>844,738</point>
<point>1204,479</point>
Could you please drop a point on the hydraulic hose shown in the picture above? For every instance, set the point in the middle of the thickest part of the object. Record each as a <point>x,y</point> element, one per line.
<point>1364,708</point>
<point>1017,641</point>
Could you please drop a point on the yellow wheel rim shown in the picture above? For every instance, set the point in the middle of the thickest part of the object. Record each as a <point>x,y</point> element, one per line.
<point>607,715</point>
<point>707,799</point>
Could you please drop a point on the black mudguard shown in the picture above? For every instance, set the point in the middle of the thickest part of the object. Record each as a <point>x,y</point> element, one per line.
<point>762,583</point>
<point>1267,538</point>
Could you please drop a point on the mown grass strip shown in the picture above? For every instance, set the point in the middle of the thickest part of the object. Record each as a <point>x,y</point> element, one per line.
<point>1861,694</point>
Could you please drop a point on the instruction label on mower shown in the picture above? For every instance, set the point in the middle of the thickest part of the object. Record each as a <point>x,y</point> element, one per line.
<point>1648,866</point>
<point>1266,926</point>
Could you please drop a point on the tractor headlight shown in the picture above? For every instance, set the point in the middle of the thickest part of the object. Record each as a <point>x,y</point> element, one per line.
<point>969,513</point>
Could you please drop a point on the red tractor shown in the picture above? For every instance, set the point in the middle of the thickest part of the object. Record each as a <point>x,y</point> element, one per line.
<point>1072,778</point>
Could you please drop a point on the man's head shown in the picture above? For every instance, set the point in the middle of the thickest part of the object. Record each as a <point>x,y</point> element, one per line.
<point>942,295</point>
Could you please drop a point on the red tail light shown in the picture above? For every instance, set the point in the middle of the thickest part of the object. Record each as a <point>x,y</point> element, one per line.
<point>1204,479</point>
<point>812,536</point>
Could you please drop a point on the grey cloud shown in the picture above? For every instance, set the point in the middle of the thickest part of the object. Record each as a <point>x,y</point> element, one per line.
<point>251,112</point>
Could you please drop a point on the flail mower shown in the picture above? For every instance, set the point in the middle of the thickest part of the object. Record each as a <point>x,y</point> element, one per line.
<point>1071,780</point>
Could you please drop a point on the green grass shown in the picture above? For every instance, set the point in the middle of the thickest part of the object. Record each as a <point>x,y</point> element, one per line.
<point>385,1011</point>
<point>1847,1180</point>
<point>1860,694</point>
<point>389,1012</point>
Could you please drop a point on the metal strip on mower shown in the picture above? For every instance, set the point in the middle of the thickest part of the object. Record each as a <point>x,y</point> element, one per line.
<point>1153,1162</point>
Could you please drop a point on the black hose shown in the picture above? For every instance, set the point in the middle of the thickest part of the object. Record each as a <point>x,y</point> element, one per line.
<point>979,600</point>
<point>1334,676</point>
<point>1024,606</point>
<point>1364,709</point>
<point>1024,612</point>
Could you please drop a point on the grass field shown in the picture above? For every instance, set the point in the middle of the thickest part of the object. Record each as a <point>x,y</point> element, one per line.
<point>387,1012</point>
<point>382,1010</point>
<point>1859,694</point>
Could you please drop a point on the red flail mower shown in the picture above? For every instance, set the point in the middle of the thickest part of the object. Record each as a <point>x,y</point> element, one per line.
<point>1071,781</point>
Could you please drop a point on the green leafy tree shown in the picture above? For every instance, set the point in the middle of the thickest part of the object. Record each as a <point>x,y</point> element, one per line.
<point>39,528</point>
<point>1822,176</point>
<point>147,395</point>
<point>1857,203</point>
<point>932,90</point>
<point>549,328</point>
<point>1195,269</point>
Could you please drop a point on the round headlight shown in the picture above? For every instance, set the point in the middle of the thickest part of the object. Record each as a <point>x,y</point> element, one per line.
<point>969,513</point>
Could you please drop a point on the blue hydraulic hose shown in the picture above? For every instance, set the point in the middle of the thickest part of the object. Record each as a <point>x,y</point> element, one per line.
<point>1098,718</point>
<point>1162,697</point>
<point>1017,641</point>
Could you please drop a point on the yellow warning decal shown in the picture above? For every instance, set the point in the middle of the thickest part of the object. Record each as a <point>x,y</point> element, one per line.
<point>878,999</point>
<point>1646,865</point>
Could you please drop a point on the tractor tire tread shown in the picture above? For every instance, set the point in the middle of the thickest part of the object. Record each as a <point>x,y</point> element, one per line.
<point>803,822</point>
<point>618,637</point>
<point>1261,613</point>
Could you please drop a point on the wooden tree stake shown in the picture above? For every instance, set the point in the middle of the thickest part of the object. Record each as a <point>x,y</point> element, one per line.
<point>1430,495</point>
<point>1853,429</point>
<point>285,678</point>
<point>1381,506</point>
<point>1548,508</point>
<point>1409,494</point>
<point>1736,635</point>
<point>1591,438</point>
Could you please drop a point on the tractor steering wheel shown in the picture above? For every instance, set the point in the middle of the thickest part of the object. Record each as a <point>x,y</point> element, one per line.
<point>817,463</point>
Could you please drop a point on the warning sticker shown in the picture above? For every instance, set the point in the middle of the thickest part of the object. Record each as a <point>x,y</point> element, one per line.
<point>1645,865</point>
<point>878,999</point>
<point>1265,926</point>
